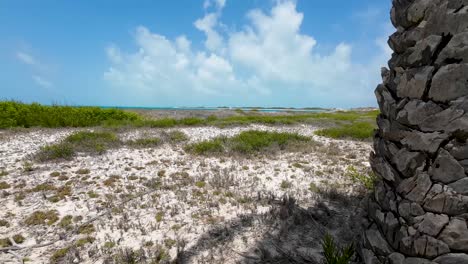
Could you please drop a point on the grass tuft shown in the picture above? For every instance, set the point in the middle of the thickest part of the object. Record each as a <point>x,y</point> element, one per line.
<point>42,218</point>
<point>335,255</point>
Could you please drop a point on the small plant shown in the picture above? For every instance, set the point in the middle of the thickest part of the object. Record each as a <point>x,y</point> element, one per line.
<point>86,229</point>
<point>83,171</point>
<point>169,243</point>
<point>334,255</point>
<point>109,244</point>
<point>83,241</point>
<point>4,223</point>
<point>58,255</point>
<point>55,174</point>
<point>200,184</point>
<point>159,216</point>
<point>368,179</point>
<point>42,218</point>
<point>18,238</point>
<point>313,188</point>
<point>4,185</point>
<point>66,222</point>
<point>176,136</point>
<point>3,173</point>
<point>93,195</point>
<point>28,166</point>
<point>285,184</point>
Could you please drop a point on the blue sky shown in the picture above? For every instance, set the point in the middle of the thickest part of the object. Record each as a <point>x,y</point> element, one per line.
<point>194,52</point>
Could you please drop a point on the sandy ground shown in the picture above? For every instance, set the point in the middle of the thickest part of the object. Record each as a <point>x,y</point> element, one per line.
<point>164,201</point>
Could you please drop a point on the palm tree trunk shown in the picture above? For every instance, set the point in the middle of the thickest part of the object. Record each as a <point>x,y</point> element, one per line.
<point>419,210</point>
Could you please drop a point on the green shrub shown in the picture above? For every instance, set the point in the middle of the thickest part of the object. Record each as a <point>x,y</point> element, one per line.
<point>177,136</point>
<point>191,121</point>
<point>367,179</point>
<point>83,141</point>
<point>59,254</point>
<point>42,218</point>
<point>358,130</point>
<point>208,146</point>
<point>58,151</point>
<point>256,141</point>
<point>164,122</point>
<point>247,142</point>
<point>16,114</point>
<point>335,255</point>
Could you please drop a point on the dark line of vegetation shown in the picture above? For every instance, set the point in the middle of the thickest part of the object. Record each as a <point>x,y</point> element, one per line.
<point>16,114</point>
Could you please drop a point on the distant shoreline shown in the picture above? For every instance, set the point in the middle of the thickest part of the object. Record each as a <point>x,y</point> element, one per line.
<point>259,109</point>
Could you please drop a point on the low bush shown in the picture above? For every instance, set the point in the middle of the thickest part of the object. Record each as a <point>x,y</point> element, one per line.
<point>16,114</point>
<point>83,141</point>
<point>42,218</point>
<point>247,142</point>
<point>358,130</point>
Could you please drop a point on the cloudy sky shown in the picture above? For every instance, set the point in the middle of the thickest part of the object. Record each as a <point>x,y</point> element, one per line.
<point>301,53</point>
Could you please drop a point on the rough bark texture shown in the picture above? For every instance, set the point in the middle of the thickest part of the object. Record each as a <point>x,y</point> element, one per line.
<point>419,211</point>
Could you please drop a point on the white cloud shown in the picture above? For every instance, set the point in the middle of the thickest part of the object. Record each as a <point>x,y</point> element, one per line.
<point>42,82</point>
<point>267,60</point>
<point>37,68</point>
<point>207,24</point>
<point>217,3</point>
<point>25,58</point>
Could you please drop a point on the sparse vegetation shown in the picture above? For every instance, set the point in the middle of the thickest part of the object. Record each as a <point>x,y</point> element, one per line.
<point>86,229</point>
<point>247,142</point>
<point>335,255</point>
<point>66,222</point>
<point>159,216</point>
<point>42,218</point>
<point>58,255</point>
<point>358,130</point>
<point>144,142</point>
<point>84,141</point>
<point>4,222</point>
<point>176,136</point>
<point>4,185</point>
<point>285,184</point>
<point>365,178</point>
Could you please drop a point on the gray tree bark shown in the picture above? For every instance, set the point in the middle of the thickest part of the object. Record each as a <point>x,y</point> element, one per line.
<point>419,210</point>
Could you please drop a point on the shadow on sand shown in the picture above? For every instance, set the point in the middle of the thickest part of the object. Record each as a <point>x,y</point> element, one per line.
<point>288,233</point>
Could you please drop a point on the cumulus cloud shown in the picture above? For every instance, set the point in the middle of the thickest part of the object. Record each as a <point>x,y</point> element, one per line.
<point>269,60</point>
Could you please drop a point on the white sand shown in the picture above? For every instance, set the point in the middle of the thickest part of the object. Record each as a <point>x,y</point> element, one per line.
<point>189,211</point>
